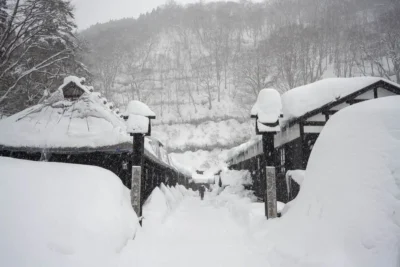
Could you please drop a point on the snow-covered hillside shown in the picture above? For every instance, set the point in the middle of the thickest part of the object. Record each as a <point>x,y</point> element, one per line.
<point>205,136</point>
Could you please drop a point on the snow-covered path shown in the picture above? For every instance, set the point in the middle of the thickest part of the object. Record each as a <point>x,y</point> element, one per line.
<point>198,233</point>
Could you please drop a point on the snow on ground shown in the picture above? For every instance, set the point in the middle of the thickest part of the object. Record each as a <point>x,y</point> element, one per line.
<point>55,214</point>
<point>199,233</point>
<point>348,210</point>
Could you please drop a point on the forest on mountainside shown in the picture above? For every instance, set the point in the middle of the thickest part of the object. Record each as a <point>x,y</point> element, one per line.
<point>196,56</point>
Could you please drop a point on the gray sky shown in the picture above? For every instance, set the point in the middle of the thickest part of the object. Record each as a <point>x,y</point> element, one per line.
<point>89,12</point>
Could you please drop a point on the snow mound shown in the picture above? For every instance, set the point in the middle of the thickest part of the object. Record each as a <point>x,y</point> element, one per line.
<point>297,175</point>
<point>55,214</point>
<point>171,200</point>
<point>348,210</point>
<point>156,208</point>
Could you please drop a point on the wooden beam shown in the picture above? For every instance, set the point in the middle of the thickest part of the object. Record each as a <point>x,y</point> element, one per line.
<point>355,101</point>
<point>329,112</point>
<point>314,123</point>
<point>375,92</point>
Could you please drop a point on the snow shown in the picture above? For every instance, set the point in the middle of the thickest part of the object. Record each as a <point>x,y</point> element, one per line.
<point>209,161</point>
<point>297,176</point>
<point>301,100</point>
<point>139,108</point>
<point>347,211</point>
<point>235,178</point>
<point>137,124</point>
<point>199,233</point>
<point>55,214</point>
<point>172,202</point>
<point>155,209</point>
<point>268,107</point>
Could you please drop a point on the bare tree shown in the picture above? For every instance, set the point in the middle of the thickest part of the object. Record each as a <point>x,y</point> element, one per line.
<point>33,27</point>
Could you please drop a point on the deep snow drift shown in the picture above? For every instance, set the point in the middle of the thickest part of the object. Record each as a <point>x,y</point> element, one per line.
<point>55,214</point>
<point>348,210</point>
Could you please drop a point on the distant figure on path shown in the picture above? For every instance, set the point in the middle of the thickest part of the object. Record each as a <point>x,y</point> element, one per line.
<point>201,190</point>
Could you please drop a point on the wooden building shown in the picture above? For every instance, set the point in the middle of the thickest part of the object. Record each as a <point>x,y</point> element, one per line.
<point>306,110</point>
<point>84,130</point>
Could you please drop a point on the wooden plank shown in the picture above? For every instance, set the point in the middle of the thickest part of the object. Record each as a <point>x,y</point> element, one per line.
<point>313,123</point>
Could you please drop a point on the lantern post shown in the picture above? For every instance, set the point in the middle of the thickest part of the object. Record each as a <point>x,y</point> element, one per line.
<point>138,119</point>
<point>267,111</point>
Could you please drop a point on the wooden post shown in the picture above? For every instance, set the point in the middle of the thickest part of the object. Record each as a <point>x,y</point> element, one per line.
<point>137,184</point>
<point>270,183</point>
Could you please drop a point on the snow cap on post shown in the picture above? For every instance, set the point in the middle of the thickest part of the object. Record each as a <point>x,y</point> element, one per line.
<point>138,116</point>
<point>137,124</point>
<point>267,110</point>
<point>139,108</point>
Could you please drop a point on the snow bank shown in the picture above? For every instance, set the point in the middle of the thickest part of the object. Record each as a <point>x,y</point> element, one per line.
<point>160,203</point>
<point>348,210</point>
<point>172,200</point>
<point>297,175</point>
<point>55,214</point>
<point>156,208</point>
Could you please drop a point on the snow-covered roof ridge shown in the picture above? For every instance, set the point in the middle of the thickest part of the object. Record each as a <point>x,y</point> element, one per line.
<point>301,100</point>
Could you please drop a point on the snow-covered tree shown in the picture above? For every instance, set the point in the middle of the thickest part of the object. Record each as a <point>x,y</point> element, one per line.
<point>37,46</point>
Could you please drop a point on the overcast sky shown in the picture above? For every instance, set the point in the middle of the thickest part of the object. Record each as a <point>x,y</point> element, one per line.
<point>89,12</point>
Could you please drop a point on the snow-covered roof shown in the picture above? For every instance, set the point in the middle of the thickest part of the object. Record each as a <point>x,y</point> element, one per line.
<point>298,101</point>
<point>69,125</point>
<point>60,123</point>
<point>246,150</point>
<point>139,108</point>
